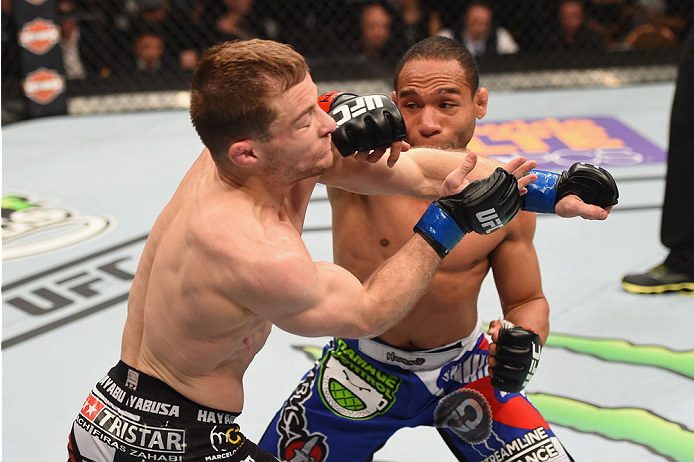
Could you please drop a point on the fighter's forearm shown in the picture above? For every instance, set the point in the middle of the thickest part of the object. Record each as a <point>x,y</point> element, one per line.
<point>533,315</point>
<point>419,173</point>
<point>396,286</point>
<point>434,165</point>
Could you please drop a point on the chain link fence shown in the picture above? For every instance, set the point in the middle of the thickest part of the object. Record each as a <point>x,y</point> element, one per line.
<point>139,54</point>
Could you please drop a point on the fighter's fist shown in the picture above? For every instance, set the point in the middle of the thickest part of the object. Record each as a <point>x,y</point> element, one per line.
<point>483,207</point>
<point>363,122</point>
<point>593,185</point>
<point>513,357</point>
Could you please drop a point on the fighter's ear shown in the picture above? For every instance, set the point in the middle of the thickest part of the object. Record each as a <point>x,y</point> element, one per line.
<point>241,153</point>
<point>481,100</point>
<point>394,96</point>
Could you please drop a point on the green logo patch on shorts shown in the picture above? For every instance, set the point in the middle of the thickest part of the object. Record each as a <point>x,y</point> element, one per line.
<point>352,387</point>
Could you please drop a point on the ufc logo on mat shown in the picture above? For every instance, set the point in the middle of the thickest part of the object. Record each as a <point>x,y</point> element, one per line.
<point>489,219</point>
<point>359,106</point>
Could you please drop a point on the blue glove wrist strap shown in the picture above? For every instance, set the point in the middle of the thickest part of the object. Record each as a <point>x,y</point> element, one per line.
<point>542,193</point>
<point>440,226</point>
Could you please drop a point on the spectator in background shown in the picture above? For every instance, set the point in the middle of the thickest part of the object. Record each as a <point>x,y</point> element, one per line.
<point>149,52</point>
<point>70,44</point>
<point>609,19</point>
<point>668,18</point>
<point>153,13</point>
<point>207,23</point>
<point>140,15</point>
<point>308,29</point>
<point>132,20</point>
<point>235,20</point>
<point>188,17</point>
<point>478,32</point>
<point>375,26</point>
<point>374,53</point>
<point>414,21</point>
<point>85,51</point>
<point>188,59</point>
<point>234,23</point>
<point>11,94</point>
<point>572,33</point>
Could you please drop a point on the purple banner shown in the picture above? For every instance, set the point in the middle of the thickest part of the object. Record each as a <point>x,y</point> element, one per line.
<point>559,143</point>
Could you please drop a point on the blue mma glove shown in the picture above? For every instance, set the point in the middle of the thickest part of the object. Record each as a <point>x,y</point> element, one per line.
<point>593,184</point>
<point>363,122</point>
<point>483,207</point>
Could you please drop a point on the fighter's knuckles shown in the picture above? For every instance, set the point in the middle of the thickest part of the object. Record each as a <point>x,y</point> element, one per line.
<point>363,122</point>
<point>516,358</point>
<point>564,193</point>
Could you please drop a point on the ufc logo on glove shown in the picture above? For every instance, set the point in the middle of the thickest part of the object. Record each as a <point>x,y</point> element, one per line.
<point>533,365</point>
<point>363,123</point>
<point>489,219</point>
<point>360,105</point>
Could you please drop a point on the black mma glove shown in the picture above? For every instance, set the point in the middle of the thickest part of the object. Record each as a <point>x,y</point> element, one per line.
<point>363,122</point>
<point>483,207</point>
<point>517,356</point>
<point>593,184</point>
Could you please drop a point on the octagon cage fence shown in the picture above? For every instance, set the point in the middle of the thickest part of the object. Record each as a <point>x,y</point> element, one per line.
<point>95,56</point>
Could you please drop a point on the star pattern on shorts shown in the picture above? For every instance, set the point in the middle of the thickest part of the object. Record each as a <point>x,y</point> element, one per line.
<point>91,410</point>
<point>91,407</point>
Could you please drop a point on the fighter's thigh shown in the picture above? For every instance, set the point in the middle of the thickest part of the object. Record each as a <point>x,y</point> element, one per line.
<point>83,447</point>
<point>331,417</point>
<point>478,421</point>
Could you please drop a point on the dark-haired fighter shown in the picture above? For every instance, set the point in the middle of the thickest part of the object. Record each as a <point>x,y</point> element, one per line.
<point>435,367</point>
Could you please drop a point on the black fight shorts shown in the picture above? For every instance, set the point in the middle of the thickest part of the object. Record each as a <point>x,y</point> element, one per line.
<point>133,417</point>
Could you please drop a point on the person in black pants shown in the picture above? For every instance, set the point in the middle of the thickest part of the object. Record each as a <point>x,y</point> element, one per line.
<point>676,273</point>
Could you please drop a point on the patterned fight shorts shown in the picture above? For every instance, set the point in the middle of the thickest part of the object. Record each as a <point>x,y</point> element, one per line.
<point>361,391</point>
<point>130,416</point>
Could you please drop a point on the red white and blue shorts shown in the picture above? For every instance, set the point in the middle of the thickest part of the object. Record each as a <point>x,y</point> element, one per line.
<point>362,391</point>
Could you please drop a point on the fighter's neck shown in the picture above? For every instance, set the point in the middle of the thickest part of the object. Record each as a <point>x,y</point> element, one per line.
<point>260,190</point>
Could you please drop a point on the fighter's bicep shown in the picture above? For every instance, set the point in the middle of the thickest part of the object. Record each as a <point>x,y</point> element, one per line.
<point>358,176</point>
<point>515,265</point>
<point>310,298</point>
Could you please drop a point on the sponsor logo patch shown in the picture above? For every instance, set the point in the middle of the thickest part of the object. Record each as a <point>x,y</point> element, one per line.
<point>39,36</point>
<point>535,445</point>
<point>354,388</point>
<point>467,413</point>
<point>43,86</point>
<point>225,438</point>
<point>393,357</point>
<point>126,434</point>
<point>296,444</point>
<point>310,448</point>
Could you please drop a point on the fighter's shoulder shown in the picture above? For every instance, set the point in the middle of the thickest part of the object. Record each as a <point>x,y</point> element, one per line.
<point>250,255</point>
<point>234,231</point>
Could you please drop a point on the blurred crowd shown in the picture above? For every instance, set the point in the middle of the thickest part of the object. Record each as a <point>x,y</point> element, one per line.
<point>107,37</point>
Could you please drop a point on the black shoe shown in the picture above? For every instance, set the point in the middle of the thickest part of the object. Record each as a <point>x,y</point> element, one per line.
<point>658,280</point>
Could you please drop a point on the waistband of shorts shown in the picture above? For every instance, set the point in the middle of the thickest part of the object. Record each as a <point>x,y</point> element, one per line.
<point>134,392</point>
<point>420,359</point>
